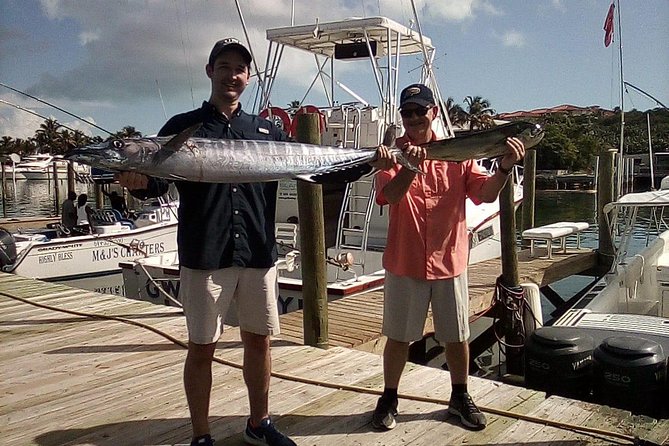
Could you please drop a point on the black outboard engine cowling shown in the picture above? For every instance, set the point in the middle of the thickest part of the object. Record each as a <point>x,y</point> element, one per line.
<point>7,248</point>
<point>630,373</point>
<point>559,361</point>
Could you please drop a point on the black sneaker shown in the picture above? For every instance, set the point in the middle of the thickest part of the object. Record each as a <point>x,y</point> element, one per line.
<point>266,434</point>
<point>470,415</point>
<point>384,414</point>
<point>204,440</point>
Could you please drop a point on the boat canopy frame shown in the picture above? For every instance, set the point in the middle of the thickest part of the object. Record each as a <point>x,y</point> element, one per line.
<point>390,39</point>
<point>622,215</point>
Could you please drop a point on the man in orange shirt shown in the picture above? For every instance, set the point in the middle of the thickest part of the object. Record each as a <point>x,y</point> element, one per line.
<point>427,252</point>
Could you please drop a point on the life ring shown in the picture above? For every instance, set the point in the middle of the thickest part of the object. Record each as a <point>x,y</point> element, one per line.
<point>279,117</point>
<point>308,109</point>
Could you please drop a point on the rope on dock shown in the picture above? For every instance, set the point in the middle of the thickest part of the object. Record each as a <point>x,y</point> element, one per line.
<point>594,432</point>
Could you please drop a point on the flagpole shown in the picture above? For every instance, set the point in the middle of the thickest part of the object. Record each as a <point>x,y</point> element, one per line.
<point>622,107</point>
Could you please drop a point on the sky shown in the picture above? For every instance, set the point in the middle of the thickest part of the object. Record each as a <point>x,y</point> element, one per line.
<point>135,63</point>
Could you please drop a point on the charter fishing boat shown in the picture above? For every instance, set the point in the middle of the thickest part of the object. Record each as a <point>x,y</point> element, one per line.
<point>356,226</point>
<point>50,254</point>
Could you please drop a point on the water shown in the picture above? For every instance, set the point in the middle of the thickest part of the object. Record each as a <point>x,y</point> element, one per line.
<point>36,198</point>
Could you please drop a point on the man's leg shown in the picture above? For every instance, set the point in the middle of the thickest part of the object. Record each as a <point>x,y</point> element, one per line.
<point>457,358</point>
<point>461,404</point>
<point>257,369</point>
<point>394,359</point>
<point>197,383</point>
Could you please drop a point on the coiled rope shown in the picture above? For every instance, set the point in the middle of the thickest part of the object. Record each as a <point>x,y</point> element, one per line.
<point>594,432</point>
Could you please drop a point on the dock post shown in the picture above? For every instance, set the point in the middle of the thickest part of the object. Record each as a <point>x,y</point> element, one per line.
<point>4,192</point>
<point>529,191</point>
<point>605,195</point>
<point>55,189</point>
<point>510,278</point>
<point>312,244</point>
<point>70,176</point>
<point>99,197</point>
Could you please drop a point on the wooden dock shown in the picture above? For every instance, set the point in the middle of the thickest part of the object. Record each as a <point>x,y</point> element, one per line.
<point>355,321</point>
<point>70,379</point>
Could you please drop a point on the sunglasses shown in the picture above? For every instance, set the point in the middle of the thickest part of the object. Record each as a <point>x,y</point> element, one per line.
<point>408,112</point>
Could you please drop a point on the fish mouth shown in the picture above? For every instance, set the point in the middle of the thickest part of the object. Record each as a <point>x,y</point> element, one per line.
<point>98,155</point>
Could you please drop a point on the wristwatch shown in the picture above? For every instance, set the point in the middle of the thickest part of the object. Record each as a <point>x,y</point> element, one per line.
<point>503,170</point>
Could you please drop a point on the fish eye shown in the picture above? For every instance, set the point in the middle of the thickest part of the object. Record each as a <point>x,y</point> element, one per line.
<point>118,143</point>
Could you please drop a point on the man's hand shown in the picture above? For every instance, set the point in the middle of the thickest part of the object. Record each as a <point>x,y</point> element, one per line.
<point>133,180</point>
<point>414,154</point>
<point>383,160</point>
<point>515,152</point>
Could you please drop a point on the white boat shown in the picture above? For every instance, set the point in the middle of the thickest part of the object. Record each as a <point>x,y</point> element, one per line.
<point>40,167</point>
<point>612,345</point>
<point>46,254</point>
<point>359,225</point>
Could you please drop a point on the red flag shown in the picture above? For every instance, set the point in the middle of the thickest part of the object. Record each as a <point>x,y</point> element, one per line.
<point>608,26</point>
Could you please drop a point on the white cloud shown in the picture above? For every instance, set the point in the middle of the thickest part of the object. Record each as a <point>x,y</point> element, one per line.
<point>513,38</point>
<point>87,37</point>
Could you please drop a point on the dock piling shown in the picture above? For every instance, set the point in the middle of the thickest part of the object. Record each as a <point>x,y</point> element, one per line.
<point>312,244</point>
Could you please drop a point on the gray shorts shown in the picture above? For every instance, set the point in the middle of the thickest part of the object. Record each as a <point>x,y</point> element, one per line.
<point>406,302</point>
<point>207,296</point>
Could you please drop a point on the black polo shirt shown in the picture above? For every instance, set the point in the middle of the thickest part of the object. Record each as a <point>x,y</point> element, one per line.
<point>226,224</point>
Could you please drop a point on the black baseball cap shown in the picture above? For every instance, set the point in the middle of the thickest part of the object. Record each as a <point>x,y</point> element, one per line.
<point>229,44</point>
<point>417,94</point>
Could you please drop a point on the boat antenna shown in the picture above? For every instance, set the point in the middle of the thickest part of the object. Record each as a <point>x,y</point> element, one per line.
<point>36,114</point>
<point>57,108</point>
<point>161,99</point>
<point>622,106</point>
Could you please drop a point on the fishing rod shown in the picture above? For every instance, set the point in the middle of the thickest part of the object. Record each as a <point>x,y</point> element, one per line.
<point>35,113</point>
<point>645,93</point>
<point>57,108</point>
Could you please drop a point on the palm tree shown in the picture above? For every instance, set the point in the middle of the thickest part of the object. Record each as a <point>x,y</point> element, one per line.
<point>479,113</point>
<point>456,113</point>
<point>293,107</point>
<point>47,135</point>
<point>127,132</point>
<point>6,145</point>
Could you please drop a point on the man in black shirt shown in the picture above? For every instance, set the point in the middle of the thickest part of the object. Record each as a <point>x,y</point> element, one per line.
<point>227,250</point>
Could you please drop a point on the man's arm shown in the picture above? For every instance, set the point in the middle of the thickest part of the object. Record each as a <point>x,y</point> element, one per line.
<point>492,187</point>
<point>396,188</point>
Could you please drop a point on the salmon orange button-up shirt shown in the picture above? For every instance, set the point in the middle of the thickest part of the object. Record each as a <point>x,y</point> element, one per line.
<point>427,233</point>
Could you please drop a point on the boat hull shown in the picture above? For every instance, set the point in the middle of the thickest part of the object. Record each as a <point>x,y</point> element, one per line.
<point>90,255</point>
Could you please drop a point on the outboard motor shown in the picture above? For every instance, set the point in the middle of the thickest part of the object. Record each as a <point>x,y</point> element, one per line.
<point>630,373</point>
<point>7,248</point>
<point>559,361</point>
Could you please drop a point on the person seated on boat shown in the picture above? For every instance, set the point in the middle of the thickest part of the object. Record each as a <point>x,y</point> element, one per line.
<point>69,212</point>
<point>84,212</point>
<point>429,211</point>
<point>117,202</point>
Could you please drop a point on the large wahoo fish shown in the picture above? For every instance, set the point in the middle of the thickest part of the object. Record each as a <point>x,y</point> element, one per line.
<point>182,157</point>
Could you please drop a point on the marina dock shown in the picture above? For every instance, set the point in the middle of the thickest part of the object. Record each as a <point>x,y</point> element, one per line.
<point>71,378</point>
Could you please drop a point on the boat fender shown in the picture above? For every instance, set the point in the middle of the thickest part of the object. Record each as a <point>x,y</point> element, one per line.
<point>7,248</point>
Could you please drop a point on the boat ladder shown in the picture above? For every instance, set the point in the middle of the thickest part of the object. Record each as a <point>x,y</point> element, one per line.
<point>353,224</point>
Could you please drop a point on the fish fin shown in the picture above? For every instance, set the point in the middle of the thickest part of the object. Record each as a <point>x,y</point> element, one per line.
<point>390,135</point>
<point>340,176</point>
<point>306,178</point>
<point>406,164</point>
<point>180,138</point>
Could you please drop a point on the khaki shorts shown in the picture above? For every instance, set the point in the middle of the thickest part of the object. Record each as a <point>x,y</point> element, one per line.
<point>208,294</point>
<point>406,301</point>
